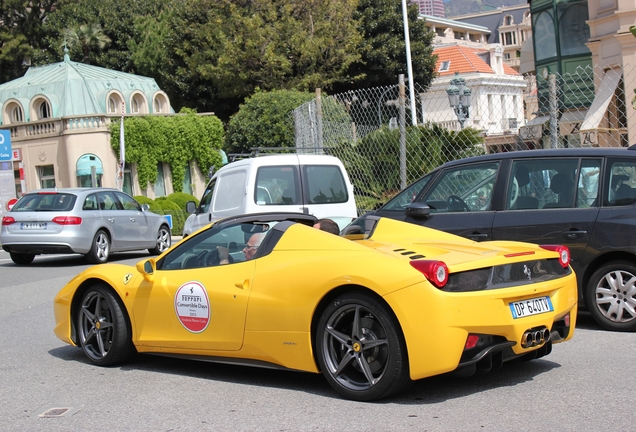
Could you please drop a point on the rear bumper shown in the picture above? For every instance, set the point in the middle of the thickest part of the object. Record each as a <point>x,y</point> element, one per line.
<point>39,249</point>
<point>436,324</point>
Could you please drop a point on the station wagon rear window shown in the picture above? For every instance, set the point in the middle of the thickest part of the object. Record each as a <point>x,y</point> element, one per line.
<point>42,202</point>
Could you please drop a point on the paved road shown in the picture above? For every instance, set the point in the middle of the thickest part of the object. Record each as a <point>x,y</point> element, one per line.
<point>584,385</point>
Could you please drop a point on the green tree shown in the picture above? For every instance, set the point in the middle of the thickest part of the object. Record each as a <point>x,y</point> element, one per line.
<point>86,37</point>
<point>225,50</point>
<point>22,35</point>
<point>383,49</point>
<point>264,120</point>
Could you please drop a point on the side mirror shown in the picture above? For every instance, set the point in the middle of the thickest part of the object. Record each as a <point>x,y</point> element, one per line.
<point>145,207</point>
<point>147,269</point>
<point>191,207</point>
<point>418,210</point>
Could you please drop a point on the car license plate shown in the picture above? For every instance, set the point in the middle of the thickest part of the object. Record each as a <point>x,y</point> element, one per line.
<point>33,225</point>
<point>529,307</point>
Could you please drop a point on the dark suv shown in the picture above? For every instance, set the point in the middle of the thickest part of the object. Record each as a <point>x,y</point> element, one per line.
<point>583,198</point>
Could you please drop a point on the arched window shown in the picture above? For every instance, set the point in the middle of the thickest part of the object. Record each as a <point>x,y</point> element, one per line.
<point>573,31</point>
<point>89,171</point>
<point>545,39</point>
<point>508,20</point>
<point>138,104</point>
<point>44,110</point>
<point>114,103</point>
<point>135,106</point>
<point>17,116</point>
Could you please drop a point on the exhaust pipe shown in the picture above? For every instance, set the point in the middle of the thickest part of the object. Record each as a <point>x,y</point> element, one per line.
<point>535,337</point>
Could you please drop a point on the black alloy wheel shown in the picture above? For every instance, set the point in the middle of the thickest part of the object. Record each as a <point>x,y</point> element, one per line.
<point>361,350</point>
<point>104,331</point>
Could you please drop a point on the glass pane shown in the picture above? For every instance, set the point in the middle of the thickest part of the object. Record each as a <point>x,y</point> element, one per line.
<point>464,189</point>
<point>542,183</point>
<point>160,186</point>
<point>187,180</point>
<point>587,194</point>
<point>622,183</point>
<point>573,32</point>
<point>325,184</point>
<point>277,185</point>
<point>544,38</point>
<point>406,197</point>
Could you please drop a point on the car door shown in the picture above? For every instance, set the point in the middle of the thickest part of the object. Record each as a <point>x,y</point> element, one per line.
<point>202,215</point>
<point>551,201</point>
<point>460,201</point>
<point>117,221</point>
<point>138,233</point>
<point>195,303</point>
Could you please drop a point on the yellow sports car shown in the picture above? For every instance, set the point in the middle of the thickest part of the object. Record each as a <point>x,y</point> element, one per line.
<point>371,310</point>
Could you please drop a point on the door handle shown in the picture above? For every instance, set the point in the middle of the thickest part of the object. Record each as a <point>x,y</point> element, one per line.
<point>574,234</point>
<point>111,220</point>
<point>242,285</point>
<point>132,219</point>
<point>478,236</point>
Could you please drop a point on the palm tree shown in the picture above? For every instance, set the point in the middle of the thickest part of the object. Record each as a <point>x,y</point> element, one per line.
<point>88,37</point>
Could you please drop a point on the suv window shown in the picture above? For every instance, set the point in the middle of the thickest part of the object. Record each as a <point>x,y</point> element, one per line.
<point>465,189</point>
<point>406,197</point>
<point>276,185</point>
<point>622,182</point>
<point>325,184</point>
<point>542,183</point>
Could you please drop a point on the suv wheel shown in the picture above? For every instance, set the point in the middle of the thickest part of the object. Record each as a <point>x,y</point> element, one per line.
<point>611,296</point>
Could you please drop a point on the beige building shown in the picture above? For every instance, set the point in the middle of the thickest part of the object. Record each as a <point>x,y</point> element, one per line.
<point>59,118</point>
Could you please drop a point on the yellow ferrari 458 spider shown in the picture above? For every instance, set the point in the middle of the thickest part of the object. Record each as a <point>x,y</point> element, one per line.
<point>371,310</point>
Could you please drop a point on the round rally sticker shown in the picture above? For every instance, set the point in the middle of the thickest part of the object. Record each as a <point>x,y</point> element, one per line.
<point>192,306</point>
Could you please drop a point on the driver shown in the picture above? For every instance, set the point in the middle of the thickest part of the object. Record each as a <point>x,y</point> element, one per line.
<point>252,245</point>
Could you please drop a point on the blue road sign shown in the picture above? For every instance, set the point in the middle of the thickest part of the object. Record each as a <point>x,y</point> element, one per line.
<point>5,145</point>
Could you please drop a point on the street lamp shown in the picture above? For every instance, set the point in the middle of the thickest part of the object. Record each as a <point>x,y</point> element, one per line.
<point>459,98</point>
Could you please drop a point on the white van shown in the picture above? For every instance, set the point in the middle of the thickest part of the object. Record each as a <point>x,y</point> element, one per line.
<point>305,183</point>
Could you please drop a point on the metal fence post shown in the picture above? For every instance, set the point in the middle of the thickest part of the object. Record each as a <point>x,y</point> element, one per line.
<point>318,119</point>
<point>402,132</point>
<point>554,137</point>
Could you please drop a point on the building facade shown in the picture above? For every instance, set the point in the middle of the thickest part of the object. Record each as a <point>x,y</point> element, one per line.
<point>59,118</point>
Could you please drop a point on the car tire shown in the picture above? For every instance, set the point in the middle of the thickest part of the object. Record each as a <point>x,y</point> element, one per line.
<point>22,259</point>
<point>360,348</point>
<point>611,298</point>
<point>163,242</point>
<point>100,250</point>
<point>103,328</point>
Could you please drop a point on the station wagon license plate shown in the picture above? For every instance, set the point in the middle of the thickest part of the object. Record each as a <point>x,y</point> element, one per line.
<point>33,225</point>
<point>529,307</point>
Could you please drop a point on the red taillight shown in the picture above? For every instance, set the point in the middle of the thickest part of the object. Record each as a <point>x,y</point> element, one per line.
<point>563,251</point>
<point>435,271</point>
<point>67,220</point>
<point>471,341</point>
<point>7,220</point>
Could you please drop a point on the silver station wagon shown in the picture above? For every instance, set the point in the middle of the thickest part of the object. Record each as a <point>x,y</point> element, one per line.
<point>89,221</point>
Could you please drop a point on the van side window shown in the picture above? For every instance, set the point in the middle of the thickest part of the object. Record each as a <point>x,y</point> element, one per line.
<point>621,179</point>
<point>325,184</point>
<point>276,185</point>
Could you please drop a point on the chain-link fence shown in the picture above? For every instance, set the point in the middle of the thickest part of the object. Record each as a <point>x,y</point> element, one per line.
<point>386,141</point>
